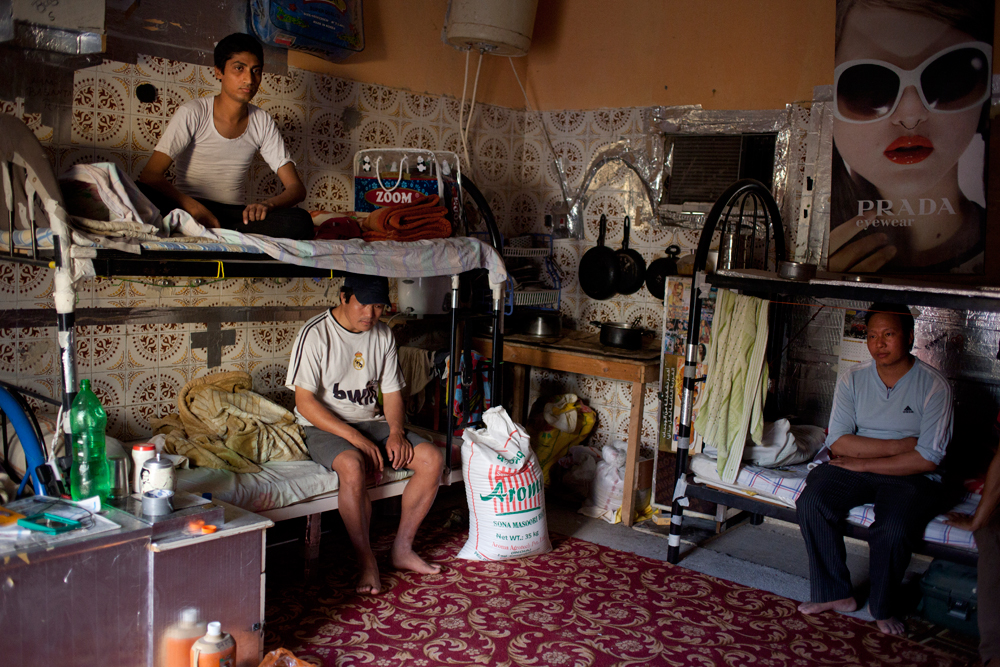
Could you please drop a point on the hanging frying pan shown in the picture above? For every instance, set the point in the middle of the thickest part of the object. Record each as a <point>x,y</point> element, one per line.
<point>599,268</point>
<point>631,265</point>
<point>656,274</point>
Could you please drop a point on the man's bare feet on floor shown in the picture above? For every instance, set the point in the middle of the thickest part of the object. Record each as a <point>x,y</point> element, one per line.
<point>409,560</point>
<point>846,604</point>
<point>891,626</point>
<point>369,582</point>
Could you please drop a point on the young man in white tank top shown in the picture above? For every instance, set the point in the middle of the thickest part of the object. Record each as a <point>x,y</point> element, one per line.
<point>211,141</point>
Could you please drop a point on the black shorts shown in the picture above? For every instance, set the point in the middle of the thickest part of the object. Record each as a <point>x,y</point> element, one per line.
<point>324,447</point>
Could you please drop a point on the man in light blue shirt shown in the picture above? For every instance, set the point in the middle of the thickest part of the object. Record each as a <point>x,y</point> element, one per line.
<point>889,429</point>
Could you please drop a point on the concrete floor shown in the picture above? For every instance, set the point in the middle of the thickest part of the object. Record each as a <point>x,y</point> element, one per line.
<point>770,556</point>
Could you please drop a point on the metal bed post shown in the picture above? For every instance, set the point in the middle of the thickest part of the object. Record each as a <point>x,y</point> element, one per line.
<point>496,368</point>
<point>65,301</point>
<point>452,371</point>
<point>763,204</point>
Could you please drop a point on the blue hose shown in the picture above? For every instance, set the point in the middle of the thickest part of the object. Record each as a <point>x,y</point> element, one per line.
<point>33,453</point>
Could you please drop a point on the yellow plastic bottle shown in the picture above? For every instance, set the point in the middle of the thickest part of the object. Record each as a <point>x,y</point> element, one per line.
<point>215,649</point>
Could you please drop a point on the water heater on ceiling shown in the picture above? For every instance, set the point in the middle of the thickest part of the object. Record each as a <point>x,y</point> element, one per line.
<point>501,28</point>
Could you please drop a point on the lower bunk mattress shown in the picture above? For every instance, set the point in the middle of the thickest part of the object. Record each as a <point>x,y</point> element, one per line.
<point>279,484</point>
<point>782,486</point>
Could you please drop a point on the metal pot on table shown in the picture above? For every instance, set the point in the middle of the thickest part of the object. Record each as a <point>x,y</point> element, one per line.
<point>543,324</point>
<point>621,335</point>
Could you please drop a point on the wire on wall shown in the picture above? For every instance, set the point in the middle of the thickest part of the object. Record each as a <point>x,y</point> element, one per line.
<point>545,131</point>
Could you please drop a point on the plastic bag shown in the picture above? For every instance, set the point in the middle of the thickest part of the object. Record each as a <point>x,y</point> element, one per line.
<point>606,493</point>
<point>783,445</point>
<point>503,486</point>
<point>282,657</point>
<point>569,422</point>
<point>581,468</point>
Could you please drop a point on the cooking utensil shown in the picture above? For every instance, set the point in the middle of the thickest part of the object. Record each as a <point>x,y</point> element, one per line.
<point>631,265</point>
<point>659,269</point>
<point>599,268</point>
<point>543,325</point>
<point>621,335</point>
<point>797,271</point>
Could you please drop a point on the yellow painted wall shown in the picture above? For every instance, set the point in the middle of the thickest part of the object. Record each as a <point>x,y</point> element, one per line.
<point>587,54</point>
<point>403,49</point>
<point>722,54</point>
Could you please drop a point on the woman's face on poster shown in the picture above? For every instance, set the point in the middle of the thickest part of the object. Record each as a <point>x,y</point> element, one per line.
<point>911,149</point>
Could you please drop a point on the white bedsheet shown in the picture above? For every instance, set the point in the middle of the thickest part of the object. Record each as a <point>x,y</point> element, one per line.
<point>392,259</point>
<point>784,485</point>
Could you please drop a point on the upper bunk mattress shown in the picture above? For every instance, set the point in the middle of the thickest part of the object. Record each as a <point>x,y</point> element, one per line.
<point>392,259</point>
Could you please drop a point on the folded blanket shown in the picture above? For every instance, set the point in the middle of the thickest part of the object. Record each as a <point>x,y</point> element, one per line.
<point>439,229</point>
<point>422,219</point>
<point>222,424</point>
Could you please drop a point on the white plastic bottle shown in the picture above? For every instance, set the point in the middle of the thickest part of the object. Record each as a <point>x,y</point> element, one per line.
<point>215,649</point>
<point>140,453</point>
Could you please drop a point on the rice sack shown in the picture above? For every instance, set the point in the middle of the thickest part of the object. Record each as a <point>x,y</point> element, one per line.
<point>503,485</point>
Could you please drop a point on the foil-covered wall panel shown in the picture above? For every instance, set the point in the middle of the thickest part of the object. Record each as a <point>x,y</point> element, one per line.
<point>963,345</point>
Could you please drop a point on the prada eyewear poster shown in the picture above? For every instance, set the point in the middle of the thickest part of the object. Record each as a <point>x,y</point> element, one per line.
<point>912,85</point>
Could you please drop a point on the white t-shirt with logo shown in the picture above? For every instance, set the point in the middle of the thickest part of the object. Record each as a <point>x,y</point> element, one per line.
<point>210,166</point>
<point>343,369</point>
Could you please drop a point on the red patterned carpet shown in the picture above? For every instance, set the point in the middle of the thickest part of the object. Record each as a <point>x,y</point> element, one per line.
<point>580,605</point>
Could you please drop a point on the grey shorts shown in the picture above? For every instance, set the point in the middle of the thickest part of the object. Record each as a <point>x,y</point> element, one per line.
<point>324,447</point>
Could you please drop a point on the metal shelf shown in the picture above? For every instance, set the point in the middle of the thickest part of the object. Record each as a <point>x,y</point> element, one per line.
<point>526,252</point>
<point>535,297</point>
<point>910,293</point>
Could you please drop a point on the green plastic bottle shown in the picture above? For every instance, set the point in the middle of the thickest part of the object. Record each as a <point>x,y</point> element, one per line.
<point>88,421</point>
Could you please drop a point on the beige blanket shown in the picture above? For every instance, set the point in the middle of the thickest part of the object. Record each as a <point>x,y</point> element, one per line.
<point>222,424</point>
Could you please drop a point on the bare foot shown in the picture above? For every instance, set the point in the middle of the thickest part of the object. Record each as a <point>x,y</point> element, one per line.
<point>409,560</point>
<point>369,582</point>
<point>891,626</point>
<point>846,604</point>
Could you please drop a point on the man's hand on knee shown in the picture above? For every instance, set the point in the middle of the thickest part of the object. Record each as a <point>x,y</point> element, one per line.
<point>399,449</point>
<point>255,212</point>
<point>369,450</point>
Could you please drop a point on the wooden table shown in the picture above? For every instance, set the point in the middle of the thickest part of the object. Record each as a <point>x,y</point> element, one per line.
<point>582,353</point>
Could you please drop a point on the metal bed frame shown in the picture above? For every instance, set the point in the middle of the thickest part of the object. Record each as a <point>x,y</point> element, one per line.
<point>23,163</point>
<point>750,267</point>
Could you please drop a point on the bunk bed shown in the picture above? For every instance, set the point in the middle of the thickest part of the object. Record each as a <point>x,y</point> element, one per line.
<point>746,211</point>
<point>38,232</point>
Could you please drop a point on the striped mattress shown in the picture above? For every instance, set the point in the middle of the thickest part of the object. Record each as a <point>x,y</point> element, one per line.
<point>783,486</point>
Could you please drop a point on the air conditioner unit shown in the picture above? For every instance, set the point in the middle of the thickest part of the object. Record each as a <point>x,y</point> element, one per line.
<point>702,166</point>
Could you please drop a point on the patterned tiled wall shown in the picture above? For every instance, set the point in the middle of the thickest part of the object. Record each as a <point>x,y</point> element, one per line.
<point>138,369</point>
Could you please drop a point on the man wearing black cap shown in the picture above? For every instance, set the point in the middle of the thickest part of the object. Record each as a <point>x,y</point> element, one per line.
<point>339,362</point>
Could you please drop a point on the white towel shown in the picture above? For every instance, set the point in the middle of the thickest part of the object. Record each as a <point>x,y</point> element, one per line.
<point>730,407</point>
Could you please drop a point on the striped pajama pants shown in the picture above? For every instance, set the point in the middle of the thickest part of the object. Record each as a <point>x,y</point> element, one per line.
<point>903,507</point>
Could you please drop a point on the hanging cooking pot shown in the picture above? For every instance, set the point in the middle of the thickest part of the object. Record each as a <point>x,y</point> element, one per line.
<point>599,268</point>
<point>619,334</point>
<point>660,269</point>
<point>631,265</point>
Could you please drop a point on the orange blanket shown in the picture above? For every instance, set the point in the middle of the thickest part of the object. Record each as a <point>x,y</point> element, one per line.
<point>423,219</point>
